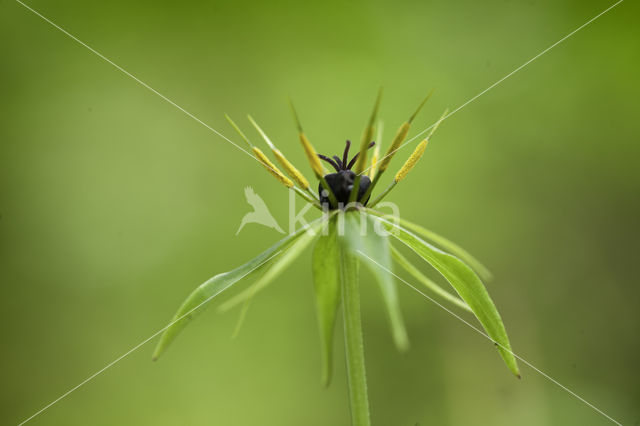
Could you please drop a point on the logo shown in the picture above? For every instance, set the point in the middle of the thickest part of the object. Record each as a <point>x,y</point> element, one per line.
<point>260,214</point>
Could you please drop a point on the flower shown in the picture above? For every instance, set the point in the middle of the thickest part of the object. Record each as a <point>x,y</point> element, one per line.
<point>340,246</point>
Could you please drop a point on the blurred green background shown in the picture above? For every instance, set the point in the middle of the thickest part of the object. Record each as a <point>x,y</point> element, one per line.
<point>114,205</point>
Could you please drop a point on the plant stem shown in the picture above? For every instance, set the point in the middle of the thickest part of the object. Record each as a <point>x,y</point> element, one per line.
<point>307,198</point>
<point>383,194</point>
<point>354,349</point>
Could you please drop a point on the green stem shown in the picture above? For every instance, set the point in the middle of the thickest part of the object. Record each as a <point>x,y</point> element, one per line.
<point>383,194</point>
<point>307,198</point>
<point>354,348</point>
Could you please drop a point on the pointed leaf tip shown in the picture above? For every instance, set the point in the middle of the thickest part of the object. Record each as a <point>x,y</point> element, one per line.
<point>296,119</point>
<point>467,284</point>
<point>199,298</point>
<point>424,101</point>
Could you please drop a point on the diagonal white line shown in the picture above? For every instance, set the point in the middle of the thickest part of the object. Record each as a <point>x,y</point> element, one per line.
<point>499,81</point>
<point>142,83</point>
<point>545,375</point>
<point>124,355</point>
<point>247,153</point>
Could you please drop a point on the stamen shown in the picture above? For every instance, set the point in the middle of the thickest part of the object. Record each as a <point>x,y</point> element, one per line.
<point>395,144</point>
<point>400,137</point>
<point>289,168</point>
<point>262,158</point>
<point>411,161</point>
<point>312,156</point>
<point>271,168</point>
<point>315,163</point>
<point>408,165</point>
<point>367,136</point>
<point>295,116</point>
<point>237,129</point>
<point>420,106</point>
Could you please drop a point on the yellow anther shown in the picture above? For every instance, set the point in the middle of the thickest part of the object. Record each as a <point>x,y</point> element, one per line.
<point>271,168</point>
<point>412,161</point>
<point>290,169</point>
<point>400,136</point>
<point>312,156</point>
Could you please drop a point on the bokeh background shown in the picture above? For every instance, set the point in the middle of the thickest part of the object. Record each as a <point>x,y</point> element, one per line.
<point>114,205</point>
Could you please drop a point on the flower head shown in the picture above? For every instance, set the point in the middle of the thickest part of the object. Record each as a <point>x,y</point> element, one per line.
<point>349,232</point>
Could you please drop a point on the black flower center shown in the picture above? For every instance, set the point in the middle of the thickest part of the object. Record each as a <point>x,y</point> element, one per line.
<point>341,182</point>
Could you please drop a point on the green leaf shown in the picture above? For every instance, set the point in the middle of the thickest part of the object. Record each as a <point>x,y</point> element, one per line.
<point>467,284</point>
<point>326,278</point>
<point>373,247</point>
<point>196,301</point>
<point>446,244</point>
<point>431,285</point>
<point>279,265</point>
<point>353,341</point>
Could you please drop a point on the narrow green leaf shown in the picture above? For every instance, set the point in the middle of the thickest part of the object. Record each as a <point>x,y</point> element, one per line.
<point>326,278</point>
<point>447,245</point>
<point>279,265</point>
<point>430,284</point>
<point>197,300</point>
<point>373,247</point>
<point>353,341</point>
<point>467,284</point>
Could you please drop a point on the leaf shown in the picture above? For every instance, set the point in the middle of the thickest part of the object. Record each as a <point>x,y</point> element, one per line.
<point>431,285</point>
<point>373,248</point>
<point>326,278</point>
<point>353,340</point>
<point>447,245</point>
<point>278,266</point>
<point>214,286</point>
<point>468,286</point>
